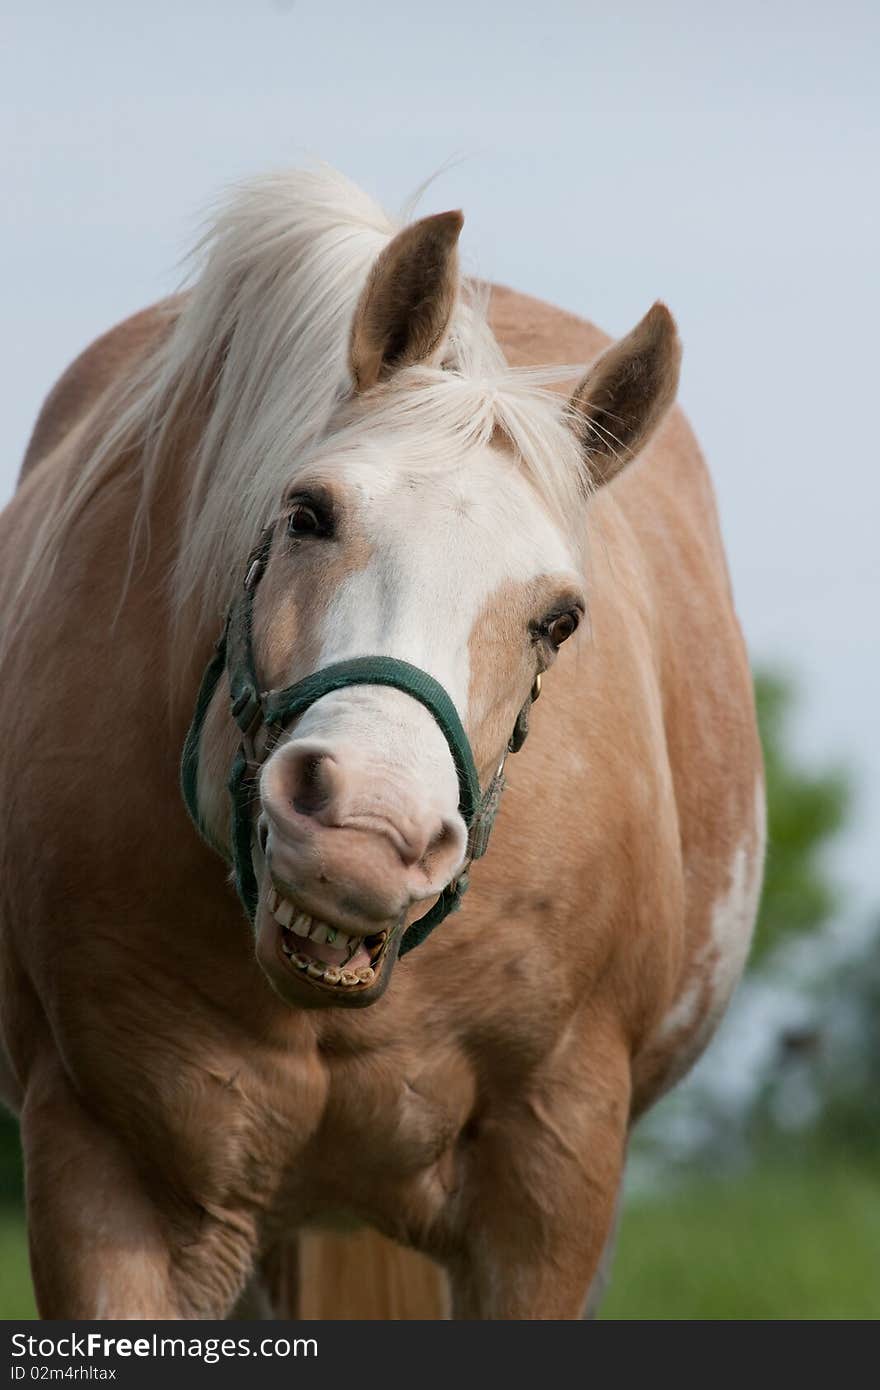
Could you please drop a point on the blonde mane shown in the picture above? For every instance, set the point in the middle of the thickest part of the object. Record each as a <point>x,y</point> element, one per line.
<point>262,336</point>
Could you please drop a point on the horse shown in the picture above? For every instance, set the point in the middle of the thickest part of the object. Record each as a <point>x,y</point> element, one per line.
<point>323,525</point>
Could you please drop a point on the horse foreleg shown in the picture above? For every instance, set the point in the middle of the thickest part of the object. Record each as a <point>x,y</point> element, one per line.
<point>539,1203</point>
<point>101,1245</point>
<point>602,1278</point>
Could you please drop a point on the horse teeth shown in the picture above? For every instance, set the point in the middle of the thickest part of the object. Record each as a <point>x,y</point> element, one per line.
<point>321,932</point>
<point>303,925</point>
<point>330,974</point>
<point>283,913</point>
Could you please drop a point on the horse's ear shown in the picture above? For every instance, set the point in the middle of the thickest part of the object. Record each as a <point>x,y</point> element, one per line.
<point>404,312</point>
<point>626,393</point>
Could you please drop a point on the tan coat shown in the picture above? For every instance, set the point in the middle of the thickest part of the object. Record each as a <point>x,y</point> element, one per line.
<point>179,1122</point>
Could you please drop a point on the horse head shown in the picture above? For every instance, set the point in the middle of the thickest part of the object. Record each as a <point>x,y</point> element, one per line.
<point>437,521</point>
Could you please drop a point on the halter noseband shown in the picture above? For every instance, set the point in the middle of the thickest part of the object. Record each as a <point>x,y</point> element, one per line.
<point>273,709</point>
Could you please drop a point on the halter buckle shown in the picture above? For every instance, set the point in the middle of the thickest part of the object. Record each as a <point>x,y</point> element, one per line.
<point>246,709</point>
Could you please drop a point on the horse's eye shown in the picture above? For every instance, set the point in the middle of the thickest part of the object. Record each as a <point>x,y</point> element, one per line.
<point>560,628</point>
<point>306,520</point>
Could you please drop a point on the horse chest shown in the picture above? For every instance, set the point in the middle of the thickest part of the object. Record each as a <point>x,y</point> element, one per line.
<point>398,1114</point>
<point>385,1143</point>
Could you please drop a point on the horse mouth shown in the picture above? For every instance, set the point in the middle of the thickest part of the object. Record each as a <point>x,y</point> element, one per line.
<point>323,955</point>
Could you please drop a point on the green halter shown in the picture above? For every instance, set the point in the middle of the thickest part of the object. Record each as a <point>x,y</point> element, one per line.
<point>251,708</point>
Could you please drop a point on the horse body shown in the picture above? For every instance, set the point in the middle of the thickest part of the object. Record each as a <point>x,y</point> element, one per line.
<point>181,1122</point>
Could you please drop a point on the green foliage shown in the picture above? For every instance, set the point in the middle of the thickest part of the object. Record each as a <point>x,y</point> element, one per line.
<point>849,1071</point>
<point>831,1061</point>
<point>805,809</point>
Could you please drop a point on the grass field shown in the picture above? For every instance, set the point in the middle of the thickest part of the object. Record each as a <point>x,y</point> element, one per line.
<point>16,1297</point>
<point>797,1243</point>
<point>802,1242</point>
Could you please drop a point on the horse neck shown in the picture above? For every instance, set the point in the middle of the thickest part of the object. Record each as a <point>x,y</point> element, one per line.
<point>133,542</point>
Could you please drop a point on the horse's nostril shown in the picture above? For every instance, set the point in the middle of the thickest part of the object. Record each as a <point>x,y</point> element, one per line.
<point>263,833</point>
<point>444,841</point>
<point>443,837</point>
<point>312,784</point>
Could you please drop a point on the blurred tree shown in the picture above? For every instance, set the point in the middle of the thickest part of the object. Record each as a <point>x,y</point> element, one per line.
<point>848,1062</point>
<point>805,809</point>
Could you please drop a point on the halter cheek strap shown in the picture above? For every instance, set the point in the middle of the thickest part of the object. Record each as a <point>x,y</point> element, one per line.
<point>252,708</point>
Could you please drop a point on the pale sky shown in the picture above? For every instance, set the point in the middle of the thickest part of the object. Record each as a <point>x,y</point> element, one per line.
<point>724,158</point>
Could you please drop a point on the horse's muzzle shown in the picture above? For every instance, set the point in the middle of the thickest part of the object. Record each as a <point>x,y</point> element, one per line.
<point>316,963</point>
